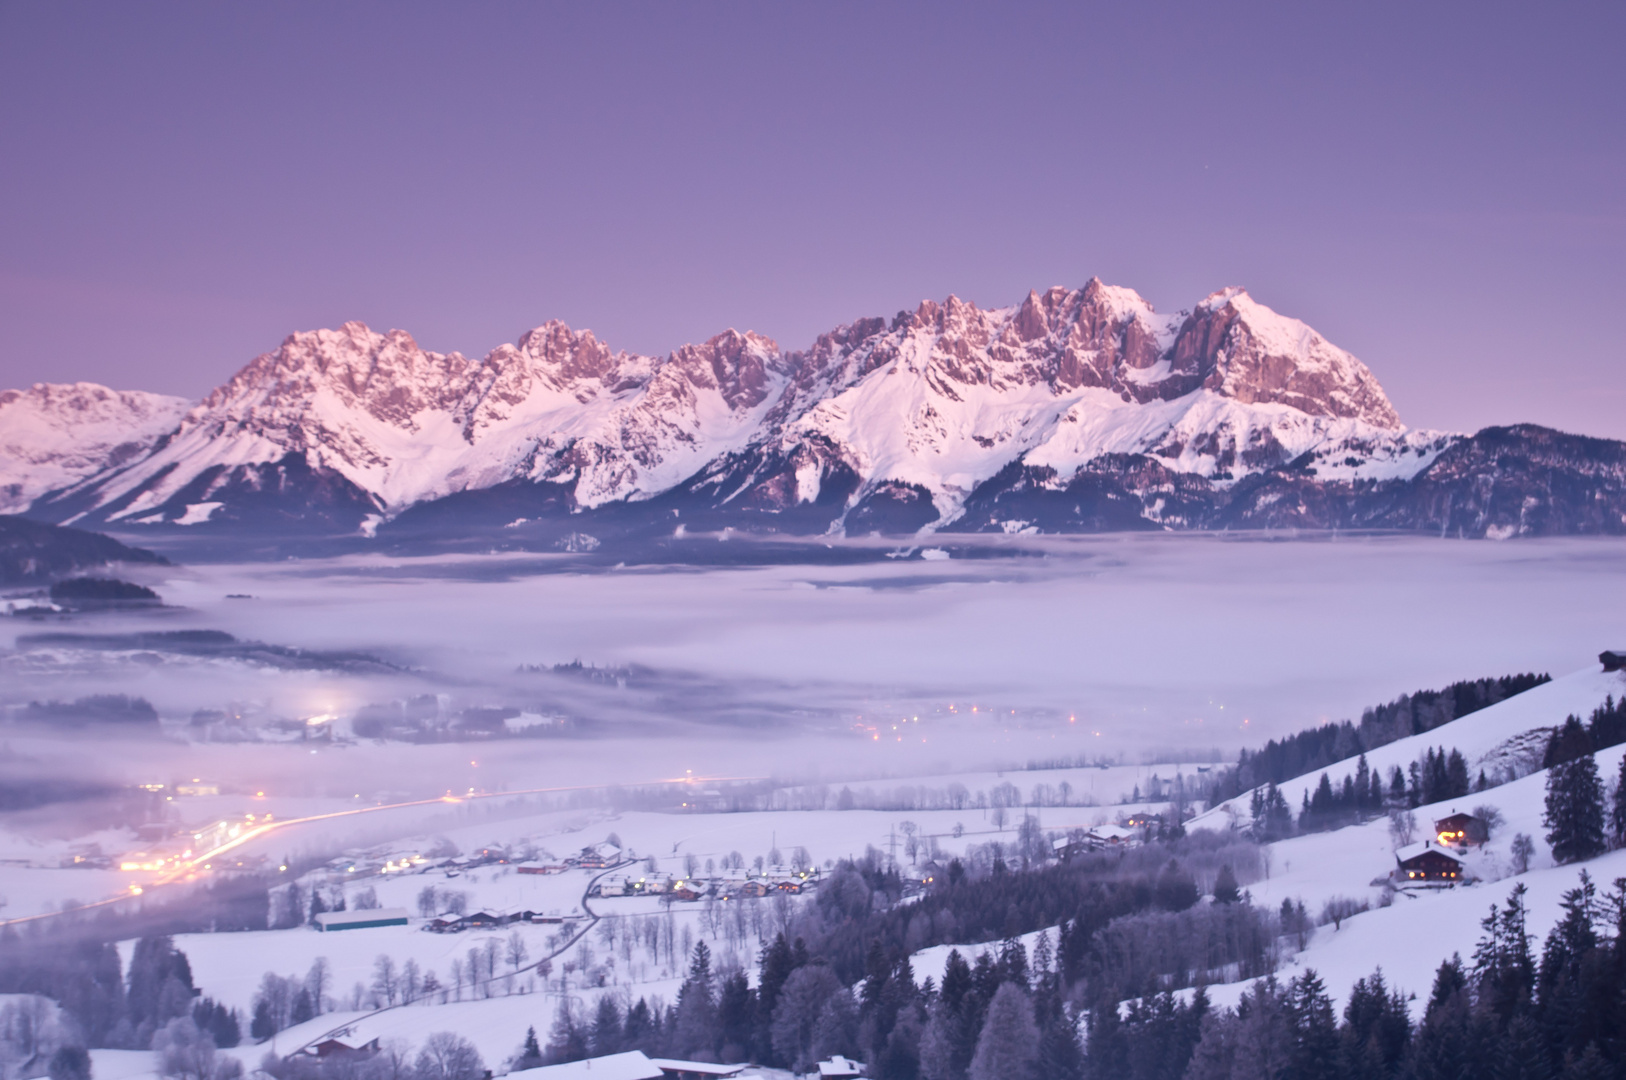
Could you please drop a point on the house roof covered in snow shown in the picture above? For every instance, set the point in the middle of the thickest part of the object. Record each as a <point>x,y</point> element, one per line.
<point>1412,851</point>
<point>696,1068</point>
<point>1112,832</point>
<point>358,917</point>
<point>632,1065</point>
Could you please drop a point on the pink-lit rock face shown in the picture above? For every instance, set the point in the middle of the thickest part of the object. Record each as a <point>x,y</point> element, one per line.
<point>934,401</point>
<point>53,435</point>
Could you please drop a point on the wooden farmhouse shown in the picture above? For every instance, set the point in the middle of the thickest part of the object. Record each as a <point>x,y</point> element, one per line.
<point>1428,863</point>
<point>344,1046</point>
<point>1461,830</point>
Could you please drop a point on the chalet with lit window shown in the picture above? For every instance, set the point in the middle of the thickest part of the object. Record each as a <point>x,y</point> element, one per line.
<point>1428,864</point>
<point>1461,830</point>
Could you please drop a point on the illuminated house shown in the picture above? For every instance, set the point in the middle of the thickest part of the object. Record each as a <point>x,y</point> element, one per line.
<point>1428,863</point>
<point>1460,830</point>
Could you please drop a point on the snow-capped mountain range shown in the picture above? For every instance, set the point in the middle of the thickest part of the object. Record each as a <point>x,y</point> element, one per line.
<point>950,416</point>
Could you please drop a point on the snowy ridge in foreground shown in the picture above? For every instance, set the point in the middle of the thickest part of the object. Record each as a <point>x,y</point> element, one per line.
<point>1410,938</point>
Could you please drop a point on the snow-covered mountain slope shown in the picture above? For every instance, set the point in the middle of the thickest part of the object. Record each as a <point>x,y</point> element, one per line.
<point>1411,937</point>
<point>1491,739</point>
<point>54,434</point>
<point>401,424</point>
<point>949,395</point>
<point>1076,409</point>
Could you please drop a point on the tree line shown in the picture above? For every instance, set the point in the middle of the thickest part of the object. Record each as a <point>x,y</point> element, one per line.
<point>1514,1011</point>
<point>1410,714</point>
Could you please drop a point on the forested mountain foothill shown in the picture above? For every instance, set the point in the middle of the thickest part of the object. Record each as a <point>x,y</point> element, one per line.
<point>1093,999</point>
<point>34,553</point>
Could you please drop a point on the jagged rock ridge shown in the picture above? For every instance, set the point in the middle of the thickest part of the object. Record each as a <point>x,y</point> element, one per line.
<point>1075,409</point>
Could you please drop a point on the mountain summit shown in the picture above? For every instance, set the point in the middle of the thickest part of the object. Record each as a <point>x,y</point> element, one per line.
<point>936,419</point>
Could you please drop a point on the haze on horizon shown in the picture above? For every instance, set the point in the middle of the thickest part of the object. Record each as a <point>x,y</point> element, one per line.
<point>1439,191</point>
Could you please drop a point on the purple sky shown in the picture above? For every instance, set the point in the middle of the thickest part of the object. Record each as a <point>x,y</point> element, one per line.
<point>1440,188</point>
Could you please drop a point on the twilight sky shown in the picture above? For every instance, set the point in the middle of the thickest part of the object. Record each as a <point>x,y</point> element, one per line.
<point>1439,188</point>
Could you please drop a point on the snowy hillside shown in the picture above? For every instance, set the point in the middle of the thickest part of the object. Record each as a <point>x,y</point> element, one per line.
<point>1490,739</point>
<point>1411,936</point>
<point>56,434</point>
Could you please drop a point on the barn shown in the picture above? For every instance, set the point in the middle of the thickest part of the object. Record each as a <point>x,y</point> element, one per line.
<point>361,919</point>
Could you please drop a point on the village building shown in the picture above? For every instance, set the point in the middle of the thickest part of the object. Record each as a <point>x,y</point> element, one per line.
<point>540,868</point>
<point>345,1046</point>
<point>1428,864</point>
<point>1611,660</point>
<point>599,856</point>
<point>1461,830</point>
<point>632,1065</point>
<point>361,919</point>
<point>839,1068</point>
<point>1110,836</point>
<point>451,923</point>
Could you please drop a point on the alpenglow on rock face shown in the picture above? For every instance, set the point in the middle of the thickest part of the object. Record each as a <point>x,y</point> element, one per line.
<point>53,435</point>
<point>950,416</point>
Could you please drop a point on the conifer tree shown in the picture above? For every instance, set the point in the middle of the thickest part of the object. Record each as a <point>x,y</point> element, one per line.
<point>607,1027</point>
<point>568,1041</point>
<point>1315,1029</point>
<point>530,1055</point>
<point>1008,1047</point>
<point>696,1006</point>
<point>1574,817</point>
<point>1617,816</point>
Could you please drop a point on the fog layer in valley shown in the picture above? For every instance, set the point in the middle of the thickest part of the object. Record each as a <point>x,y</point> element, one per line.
<point>1109,646</point>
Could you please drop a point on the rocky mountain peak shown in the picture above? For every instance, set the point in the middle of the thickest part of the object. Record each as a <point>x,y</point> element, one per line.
<point>387,376</point>
<point>1238,347</point>
<point>740,367</point>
